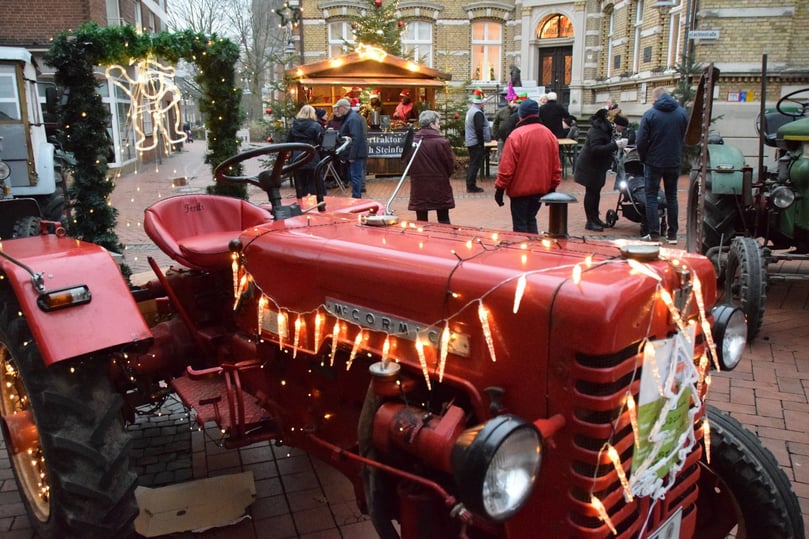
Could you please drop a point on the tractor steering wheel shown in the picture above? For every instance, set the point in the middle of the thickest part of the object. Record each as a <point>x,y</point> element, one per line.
<point>802,103</point>
<point>267,179</point>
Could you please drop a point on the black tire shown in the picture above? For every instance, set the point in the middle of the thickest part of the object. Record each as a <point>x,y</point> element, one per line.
<point>612,218</point>
<point>744,484</point>
<point>78,438</point>
<point>26,227</point>
<point>746,282</point>
<point>720,220</point>
<point>52,206</point>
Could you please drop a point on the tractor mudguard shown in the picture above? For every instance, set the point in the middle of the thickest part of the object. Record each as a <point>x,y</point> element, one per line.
<point>726,164</point>
<point>111,318</point>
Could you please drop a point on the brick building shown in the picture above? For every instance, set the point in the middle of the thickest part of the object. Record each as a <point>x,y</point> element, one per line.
<point>590,51</point>
<point>34,23</point>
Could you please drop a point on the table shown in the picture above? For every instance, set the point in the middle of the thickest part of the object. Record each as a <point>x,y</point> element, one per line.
<point>568,149</point>
<point>485,170</point>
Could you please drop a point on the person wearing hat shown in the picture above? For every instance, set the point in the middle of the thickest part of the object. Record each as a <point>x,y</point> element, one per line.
<point>405,111</point>
<point>353,126</point>
<point>509,126</point>
<point>553,114</point>
<point>622,129</point>
<point>594,160</point>
<point>529,168</point>
<point>501,120</point>
<point>475,124</point>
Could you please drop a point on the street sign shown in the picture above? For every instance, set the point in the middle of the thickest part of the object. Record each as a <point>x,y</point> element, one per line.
<point>703,34</point>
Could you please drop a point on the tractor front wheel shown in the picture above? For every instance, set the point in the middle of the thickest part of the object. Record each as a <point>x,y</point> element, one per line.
<point>64,435</point>
<point>746,281</point>
<point>743,492</point>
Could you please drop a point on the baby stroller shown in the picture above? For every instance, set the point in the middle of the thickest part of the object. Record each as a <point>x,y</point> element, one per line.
<point>631,187</point>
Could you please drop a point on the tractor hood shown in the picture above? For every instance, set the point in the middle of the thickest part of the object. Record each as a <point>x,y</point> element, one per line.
<point>523,296</point>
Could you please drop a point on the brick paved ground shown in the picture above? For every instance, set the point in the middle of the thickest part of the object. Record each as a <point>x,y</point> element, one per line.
<point>298,496</point>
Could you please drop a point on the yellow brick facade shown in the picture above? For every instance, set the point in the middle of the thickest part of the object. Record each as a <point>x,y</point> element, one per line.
<point>639,54</point>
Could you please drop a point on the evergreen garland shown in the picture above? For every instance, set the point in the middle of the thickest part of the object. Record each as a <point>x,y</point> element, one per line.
<point>84,117</point>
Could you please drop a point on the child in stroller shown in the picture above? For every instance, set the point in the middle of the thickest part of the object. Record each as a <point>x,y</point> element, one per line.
<point>631,189</point>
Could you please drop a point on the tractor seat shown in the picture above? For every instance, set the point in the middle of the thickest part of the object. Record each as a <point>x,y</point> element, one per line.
<point>196,230</point>
<point>773,121</point>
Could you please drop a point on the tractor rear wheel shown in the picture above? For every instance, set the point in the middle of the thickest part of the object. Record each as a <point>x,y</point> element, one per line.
<point>746,281</point>
<point>64,435</point>
<point>26,227</point>
<point>743,485</point>
<point>720,218</point>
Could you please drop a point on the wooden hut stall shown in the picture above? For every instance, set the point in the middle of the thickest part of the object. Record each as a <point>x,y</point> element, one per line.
<point>371,71</point>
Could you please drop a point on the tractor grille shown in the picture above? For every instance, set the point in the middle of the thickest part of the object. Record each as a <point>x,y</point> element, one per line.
<point>600,385</point>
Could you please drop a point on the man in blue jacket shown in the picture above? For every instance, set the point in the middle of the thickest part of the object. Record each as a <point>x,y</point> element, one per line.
<point>353,126</point>
<point>659,142</point>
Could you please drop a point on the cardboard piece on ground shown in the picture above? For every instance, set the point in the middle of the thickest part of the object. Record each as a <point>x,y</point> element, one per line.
<point>194,505</point>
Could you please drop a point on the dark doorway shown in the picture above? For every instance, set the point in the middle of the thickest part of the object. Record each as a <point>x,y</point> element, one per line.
<point>554,71</point>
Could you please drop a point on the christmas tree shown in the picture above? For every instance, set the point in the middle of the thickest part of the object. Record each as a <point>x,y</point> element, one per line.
<point>379,27</point>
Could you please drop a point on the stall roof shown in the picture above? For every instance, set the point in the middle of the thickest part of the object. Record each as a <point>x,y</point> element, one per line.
<point>368,66</point>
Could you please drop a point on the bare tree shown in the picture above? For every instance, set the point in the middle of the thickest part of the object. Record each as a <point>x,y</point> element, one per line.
<point>262,41</point>
<point>204,16</point>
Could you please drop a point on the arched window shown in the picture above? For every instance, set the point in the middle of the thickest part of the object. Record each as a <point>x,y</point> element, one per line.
<point>554,27</point>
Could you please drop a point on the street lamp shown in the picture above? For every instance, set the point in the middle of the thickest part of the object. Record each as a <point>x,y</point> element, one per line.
<point>290,14</point>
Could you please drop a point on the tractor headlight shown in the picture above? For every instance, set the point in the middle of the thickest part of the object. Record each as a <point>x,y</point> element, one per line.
<point>5,170</point>
<point>782,197</point>
<point>729,334</point>
<point>496,464</point>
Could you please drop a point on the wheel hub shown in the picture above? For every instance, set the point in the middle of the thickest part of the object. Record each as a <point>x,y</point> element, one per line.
<point>22,436</point>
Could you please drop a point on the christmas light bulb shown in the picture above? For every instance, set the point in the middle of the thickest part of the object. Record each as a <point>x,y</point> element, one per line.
<point>297,337</point>
<point>354,349</point>
<point>518,293</point>
<point>619,469</point>
<point>335,335</point>
<point>483,315</point>
<point>602,514</point>
<point>444,348</point>
<point>423,362</point>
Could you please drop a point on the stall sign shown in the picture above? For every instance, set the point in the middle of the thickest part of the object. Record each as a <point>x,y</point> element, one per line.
<point>388,144</point>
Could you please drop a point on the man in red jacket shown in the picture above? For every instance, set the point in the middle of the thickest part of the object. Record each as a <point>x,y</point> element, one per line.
<point>529,168</point>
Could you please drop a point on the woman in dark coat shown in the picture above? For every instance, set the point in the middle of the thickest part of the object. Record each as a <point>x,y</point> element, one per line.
<point>429,174</point>
<point>306,128</point>
<point>592,164</point>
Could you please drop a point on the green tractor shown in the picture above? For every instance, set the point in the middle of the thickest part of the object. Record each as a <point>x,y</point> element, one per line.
<point>747,223</point>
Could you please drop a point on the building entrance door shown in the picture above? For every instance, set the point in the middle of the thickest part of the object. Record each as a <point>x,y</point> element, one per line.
<point>554,71</point>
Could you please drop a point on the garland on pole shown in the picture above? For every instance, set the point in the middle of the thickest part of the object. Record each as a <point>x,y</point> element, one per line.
<point>83,117</point>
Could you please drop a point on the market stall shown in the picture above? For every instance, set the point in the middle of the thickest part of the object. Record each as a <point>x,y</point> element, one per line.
<point>361,75</point>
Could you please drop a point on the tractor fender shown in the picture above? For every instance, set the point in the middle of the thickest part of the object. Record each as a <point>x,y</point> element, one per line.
<point>726,165</point>
<point>111,319</point>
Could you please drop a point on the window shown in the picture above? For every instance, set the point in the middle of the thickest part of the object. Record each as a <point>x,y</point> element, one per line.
<point>555,27</point>
<point>674,40</point>
<point>340,34</point>
<point>417,42</point>
<point>9,100</point>
<point>123,136</point>
<point>638,29</point>
<point>487,42</point>
<point>138,16</point>
<point>610,32</point>
<point>114,13</point>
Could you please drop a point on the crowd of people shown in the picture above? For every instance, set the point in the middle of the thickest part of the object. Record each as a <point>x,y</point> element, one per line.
<point>527,132</point>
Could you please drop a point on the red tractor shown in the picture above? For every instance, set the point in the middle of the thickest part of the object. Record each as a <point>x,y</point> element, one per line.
<point>470,383</point>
